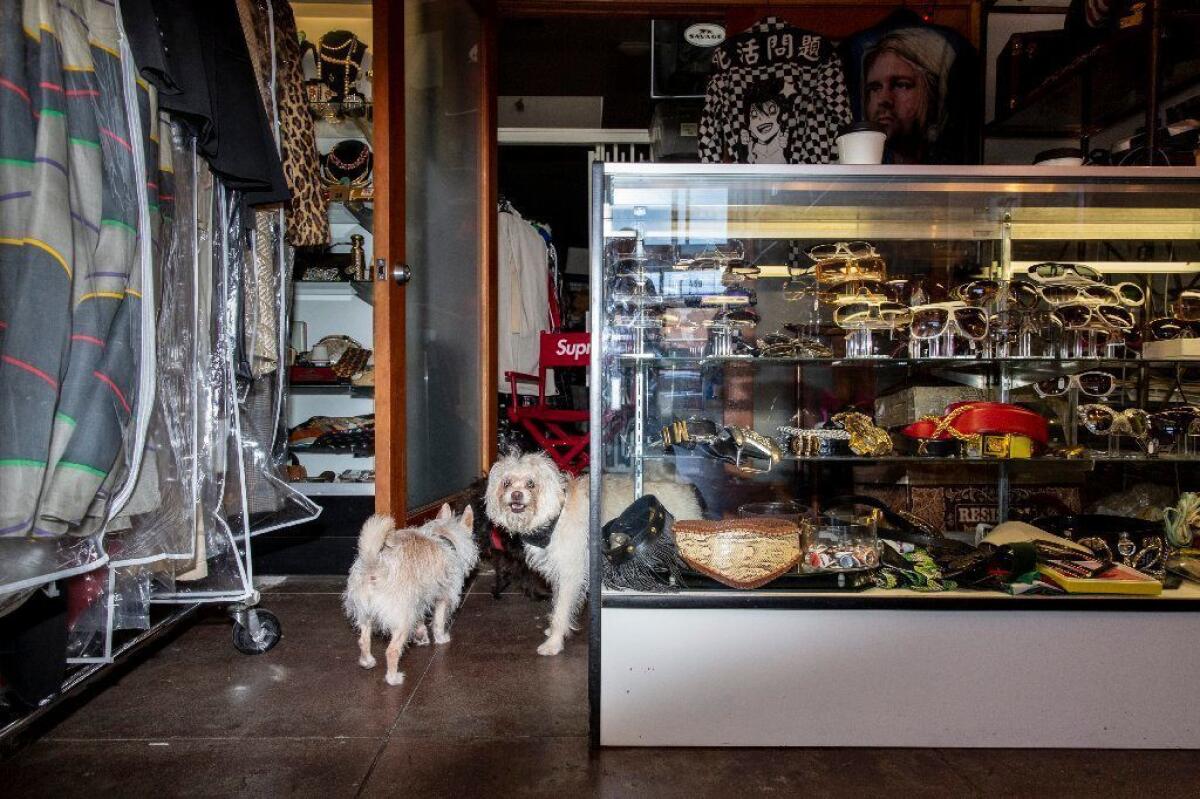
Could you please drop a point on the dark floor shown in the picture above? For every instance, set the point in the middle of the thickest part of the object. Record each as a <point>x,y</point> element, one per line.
<point>483,716</point>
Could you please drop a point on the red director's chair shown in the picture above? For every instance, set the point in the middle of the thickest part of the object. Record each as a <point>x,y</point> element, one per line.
<point>544,423</point>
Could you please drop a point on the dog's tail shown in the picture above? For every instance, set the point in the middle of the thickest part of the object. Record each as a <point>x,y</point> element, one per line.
<point>375,531</point>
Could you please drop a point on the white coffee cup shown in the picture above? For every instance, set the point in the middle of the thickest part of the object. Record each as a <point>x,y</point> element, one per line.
<point>1060,156</point>
<point>861,143</point>
<point>319,355</point>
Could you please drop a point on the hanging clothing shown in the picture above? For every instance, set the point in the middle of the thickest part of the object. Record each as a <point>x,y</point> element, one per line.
<point>776,95</point>
<point>199,61</point>
<point>523,299</point>
<point>79,199</point>
<point>308,209</point>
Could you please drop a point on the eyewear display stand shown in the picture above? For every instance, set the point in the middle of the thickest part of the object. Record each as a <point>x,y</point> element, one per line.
<point>874,667</point>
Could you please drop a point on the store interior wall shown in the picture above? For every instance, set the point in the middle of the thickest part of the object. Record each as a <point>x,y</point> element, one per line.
<point>580,57</point>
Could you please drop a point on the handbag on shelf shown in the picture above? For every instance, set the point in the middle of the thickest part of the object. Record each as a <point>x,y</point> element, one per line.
<point>740,553</point>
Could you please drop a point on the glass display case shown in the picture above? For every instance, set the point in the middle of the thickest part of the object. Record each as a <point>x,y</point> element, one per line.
<point>870,357</point>
<point>963,345</point>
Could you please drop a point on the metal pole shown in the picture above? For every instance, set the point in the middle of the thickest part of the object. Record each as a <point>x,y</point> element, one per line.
<point>1154,31</point>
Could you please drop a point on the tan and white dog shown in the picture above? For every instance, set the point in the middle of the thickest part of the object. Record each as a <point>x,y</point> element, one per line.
<point>400,576</point>
<point>527,496</point>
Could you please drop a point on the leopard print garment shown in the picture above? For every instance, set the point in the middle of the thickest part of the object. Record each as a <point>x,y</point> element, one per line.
<point>307,213</point>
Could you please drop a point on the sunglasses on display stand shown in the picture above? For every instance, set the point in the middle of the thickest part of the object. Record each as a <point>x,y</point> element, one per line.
<point>1173,430</point>
<point>1016,333</point>
<point>944,329</point>
<point>1104,420</point>
<point>863,316</point>
<point>1093,330</point>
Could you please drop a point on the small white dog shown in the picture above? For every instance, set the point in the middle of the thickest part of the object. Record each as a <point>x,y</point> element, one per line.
<point>528,496</point>
<point>399,576</point>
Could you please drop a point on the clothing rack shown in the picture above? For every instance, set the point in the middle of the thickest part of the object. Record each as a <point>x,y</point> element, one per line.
<point>255,630</point>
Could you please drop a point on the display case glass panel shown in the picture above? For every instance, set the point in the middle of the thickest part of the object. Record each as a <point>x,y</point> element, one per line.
<point>774,341</point>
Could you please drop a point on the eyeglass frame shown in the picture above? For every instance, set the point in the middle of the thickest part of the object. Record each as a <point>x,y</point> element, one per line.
<point>1094,314</point>
<point>1083,299</point>
<point>1074,381</point>
<point>951,324</point>
<point>1118,418</point>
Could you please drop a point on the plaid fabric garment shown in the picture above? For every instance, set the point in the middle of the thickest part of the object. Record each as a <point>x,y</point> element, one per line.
<point>70,274</point>
<point>776,95</point>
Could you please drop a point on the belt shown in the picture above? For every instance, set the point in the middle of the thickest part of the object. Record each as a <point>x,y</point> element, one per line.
<point>967,420</point>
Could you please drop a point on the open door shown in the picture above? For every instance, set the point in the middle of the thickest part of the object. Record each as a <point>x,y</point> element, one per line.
<point>434,223</point>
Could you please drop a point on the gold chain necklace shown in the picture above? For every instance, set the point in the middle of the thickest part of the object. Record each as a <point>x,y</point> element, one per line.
<point>349,64</point>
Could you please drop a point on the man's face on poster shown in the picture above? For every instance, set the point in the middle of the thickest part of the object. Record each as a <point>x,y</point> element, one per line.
<point>896,95</point>
<point>764,121</point>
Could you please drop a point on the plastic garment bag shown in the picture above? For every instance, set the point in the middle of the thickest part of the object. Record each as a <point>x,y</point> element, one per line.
<point>76,286</point>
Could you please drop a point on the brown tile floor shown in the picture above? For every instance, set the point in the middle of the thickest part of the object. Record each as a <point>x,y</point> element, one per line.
<point>484,716</point>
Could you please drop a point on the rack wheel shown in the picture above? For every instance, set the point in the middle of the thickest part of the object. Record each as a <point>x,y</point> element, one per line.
<point>258,634</point>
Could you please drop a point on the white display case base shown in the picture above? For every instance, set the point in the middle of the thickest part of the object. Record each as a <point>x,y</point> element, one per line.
<point>898,678</point>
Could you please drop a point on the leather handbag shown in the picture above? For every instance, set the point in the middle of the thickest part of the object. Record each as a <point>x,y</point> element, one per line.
<point>639,550</point>
<point>740,553</point>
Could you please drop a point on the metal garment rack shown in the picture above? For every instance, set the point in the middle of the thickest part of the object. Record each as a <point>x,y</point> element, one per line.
<point>255,630</point>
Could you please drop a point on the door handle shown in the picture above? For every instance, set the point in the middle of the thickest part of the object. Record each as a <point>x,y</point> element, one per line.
<point>401,273</point>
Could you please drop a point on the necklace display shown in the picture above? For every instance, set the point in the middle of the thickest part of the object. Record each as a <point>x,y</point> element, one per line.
<point>349,163</point>
<point>347,56</point>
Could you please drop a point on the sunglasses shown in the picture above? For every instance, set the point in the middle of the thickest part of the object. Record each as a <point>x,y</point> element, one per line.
<point>1080,316</point>
<point>931,321</point>
<point>730,320</point>
<point>1102,420</point>
<point>781,345</point>
<point>1019,293</point>
<point>1023,321</point>
<point>1187,306</point>
<point>834,271</point>
<point>1168,426</point>
<point>642,319</point>
<point>845,249</point>
<point>1092,384</point>
<point>872,314</point>
<point>630,288</point>
<point>625,251</point>
<point>1127,294</point>
<point>715,257</point>
<point>1052,270</point>
<point>1164,329</point>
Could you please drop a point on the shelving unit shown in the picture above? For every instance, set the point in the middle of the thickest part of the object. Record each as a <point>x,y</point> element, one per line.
<point>1122,78</point>
<point>342,308</point>
<point>775,651</point>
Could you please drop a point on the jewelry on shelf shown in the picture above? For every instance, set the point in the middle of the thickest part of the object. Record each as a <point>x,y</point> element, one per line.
<point>865,437</point>
<point>348,56</point>
<point>347,169</point>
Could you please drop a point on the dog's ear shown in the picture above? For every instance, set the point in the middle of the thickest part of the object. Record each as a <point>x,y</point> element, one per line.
<point>468,517</point>
<point>445,513</point>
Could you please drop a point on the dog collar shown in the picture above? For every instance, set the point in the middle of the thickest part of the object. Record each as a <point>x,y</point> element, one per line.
<point>540,536</point>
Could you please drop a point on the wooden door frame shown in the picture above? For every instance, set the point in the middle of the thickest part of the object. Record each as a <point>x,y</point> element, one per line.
<point>391,443</point>
<point>391,453</point>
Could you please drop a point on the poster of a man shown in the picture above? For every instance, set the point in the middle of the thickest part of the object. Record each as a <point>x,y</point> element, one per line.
<point>905,80</point>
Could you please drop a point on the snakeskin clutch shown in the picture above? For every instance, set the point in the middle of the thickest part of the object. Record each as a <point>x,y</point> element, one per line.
<point>739,553</point>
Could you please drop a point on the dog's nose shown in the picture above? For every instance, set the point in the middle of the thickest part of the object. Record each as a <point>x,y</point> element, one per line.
<point>516,496</point>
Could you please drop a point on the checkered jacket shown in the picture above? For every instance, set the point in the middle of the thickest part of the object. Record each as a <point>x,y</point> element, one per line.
<point>800,70</point>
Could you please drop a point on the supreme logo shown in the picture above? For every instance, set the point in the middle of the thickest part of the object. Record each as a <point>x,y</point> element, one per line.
<point>575,350</point>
